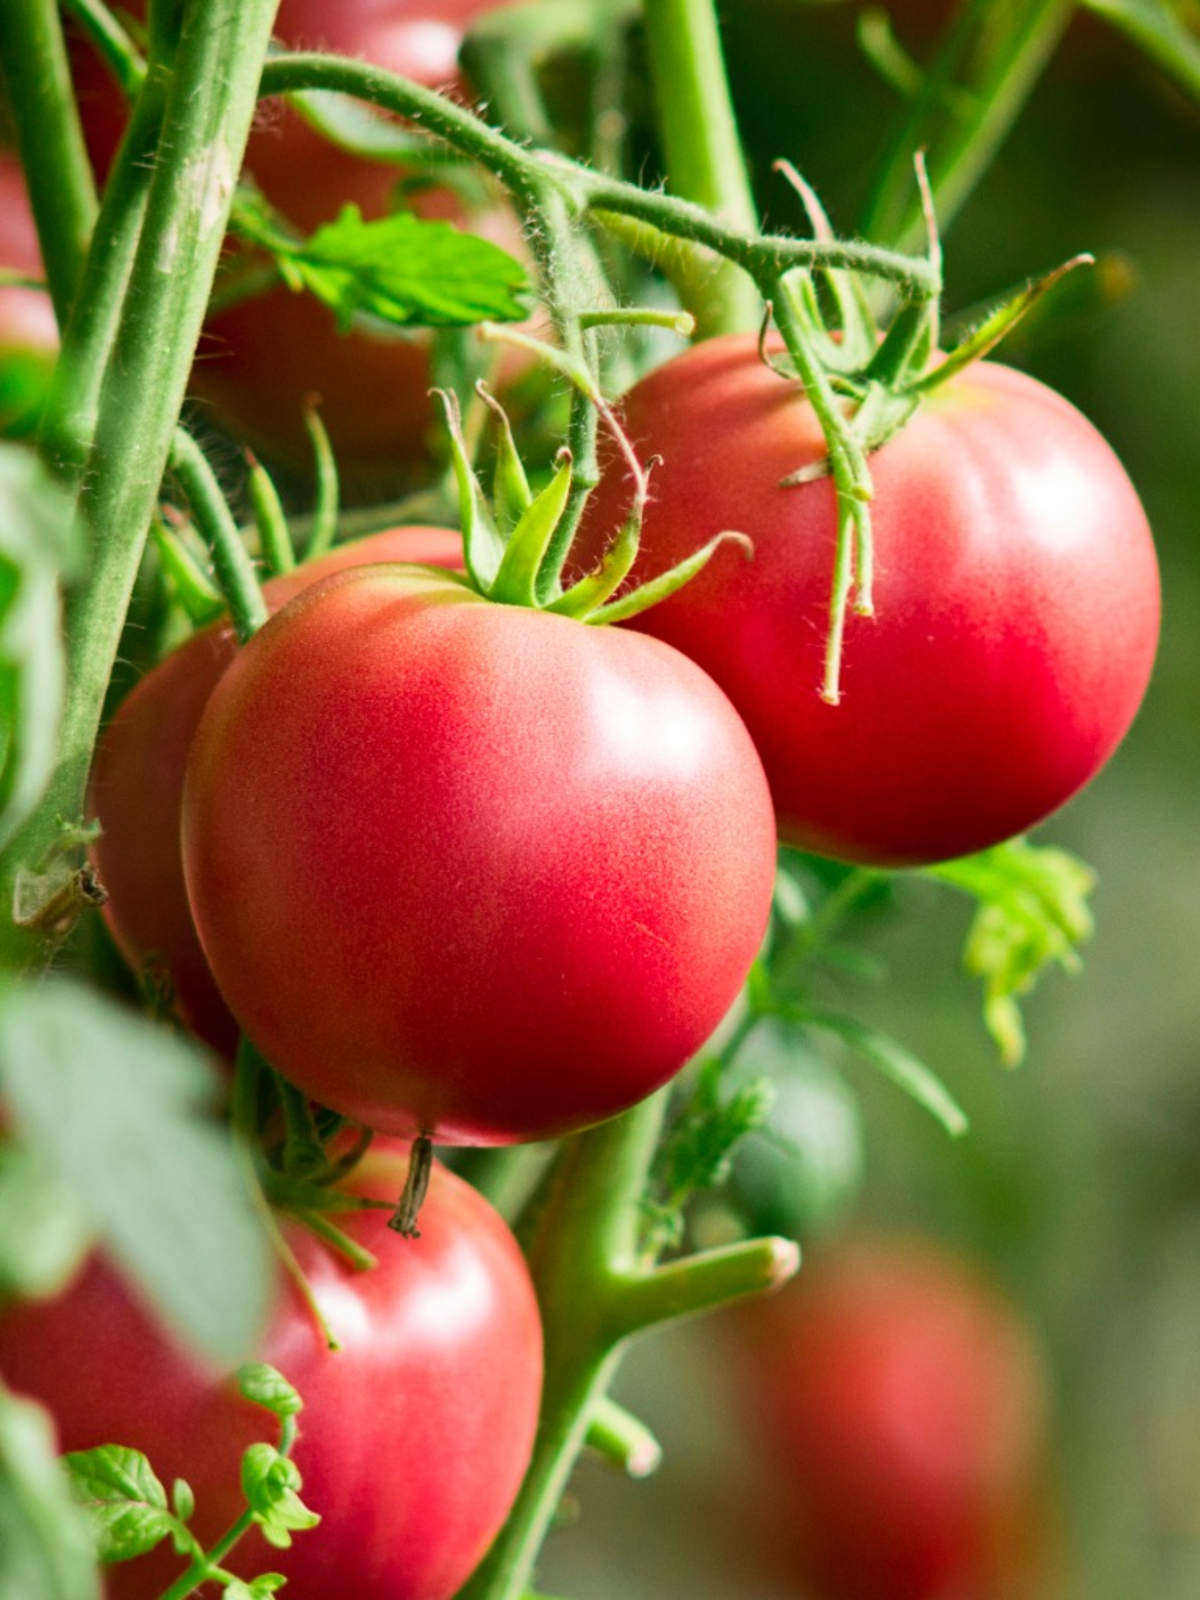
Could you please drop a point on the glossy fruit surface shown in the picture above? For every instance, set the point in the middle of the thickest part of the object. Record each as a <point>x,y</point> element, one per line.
<point>1016,600</point>
<point>470,869</point>
<point>136,787</point>
<point>414,1435</point>
<point>900,1402</point>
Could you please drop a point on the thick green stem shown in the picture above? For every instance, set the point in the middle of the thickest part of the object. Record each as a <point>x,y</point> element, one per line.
<point>210,102</point>
<point>585,1244</point>
<point>1008,46</point>
<point>598,1288</point>
<point>702,152</point>
<point>38,80</point>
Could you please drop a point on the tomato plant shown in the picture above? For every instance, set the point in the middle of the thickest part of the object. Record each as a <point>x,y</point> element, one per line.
<point>1016,600</point>
<point>466,860</point>
<point>415,1432</point>
<point>261,359</point>
<point>136,789</point>
<point>901,1405</point>
<point>549,845</point>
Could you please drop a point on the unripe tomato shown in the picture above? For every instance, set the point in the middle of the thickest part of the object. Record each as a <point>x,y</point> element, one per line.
<point>415,1434</point>
<point>136,787</point>
<point>468,869</point>
<point>1016,600</point>
<point>900,1402</point>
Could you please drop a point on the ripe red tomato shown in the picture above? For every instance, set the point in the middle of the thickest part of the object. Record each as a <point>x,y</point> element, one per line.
<point>1016,600</point>
<point>136,787</point>
<point>414,1435</point>
<point>469,869</point>
<point>28,330</point>
<point>900,1401</point>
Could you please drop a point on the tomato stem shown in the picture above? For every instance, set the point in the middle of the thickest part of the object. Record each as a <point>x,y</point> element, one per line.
<point>703,155</point>
<point>420,1165</point>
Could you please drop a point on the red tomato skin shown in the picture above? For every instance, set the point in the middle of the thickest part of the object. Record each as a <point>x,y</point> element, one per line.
<point>414,1437</point>
<point>1016,600</point>
<point>901,1404</point>
<point>471,869</point>
<point>136,786</point>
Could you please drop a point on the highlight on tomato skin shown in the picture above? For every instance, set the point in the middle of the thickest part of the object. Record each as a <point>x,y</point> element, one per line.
<point>470,869</point>
<point>135,791</point>
<point>901,1407</point>
<point>1016,600</point>
<point>440,1342</point>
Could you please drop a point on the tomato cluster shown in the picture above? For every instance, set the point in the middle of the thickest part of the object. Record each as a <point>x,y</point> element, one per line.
<point>440,1342</point>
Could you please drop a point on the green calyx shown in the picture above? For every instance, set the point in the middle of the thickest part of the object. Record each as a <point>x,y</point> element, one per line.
<point>515,545</point>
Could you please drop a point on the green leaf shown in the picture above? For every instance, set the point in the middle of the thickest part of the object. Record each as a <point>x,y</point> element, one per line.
<point>1033,914</point>
<point>264,1386</point>
<point>122,1110</point>
<point>37,542</point>
<point>407,272</point>
<point>124,1501</point>
<point>183,1500</point>
<point>45,1551</point>
<point>260,1588</point>
<point>42,1234</point>
<point>271,1483</point>
<point>896,1062</point>
<point>698,1148</point>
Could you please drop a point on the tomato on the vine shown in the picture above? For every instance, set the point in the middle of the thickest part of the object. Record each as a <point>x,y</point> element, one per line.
<point>468,869</point>
<point>415,1434</point>
<point>136,788</point>
<point>899,1400</point>
<point>1016,599</point>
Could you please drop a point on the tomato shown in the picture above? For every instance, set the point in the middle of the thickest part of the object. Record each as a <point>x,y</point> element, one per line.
<point>1016,600</point>
<point>414,1436</point>
<point>469,869</point>
<point>28,330</point>
<point>136,787</point>
<point>900,1403</point>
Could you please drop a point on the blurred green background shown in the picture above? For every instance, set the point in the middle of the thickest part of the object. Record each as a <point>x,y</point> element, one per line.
<point>1079,1184</point>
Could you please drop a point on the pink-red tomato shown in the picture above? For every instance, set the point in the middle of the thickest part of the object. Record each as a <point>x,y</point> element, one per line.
<point>900,1404</point>
<point>1016,600</point>
<point>28,330</point>
<point>470,869</point>
<point>136,787</point>
<point>414,1436</point>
